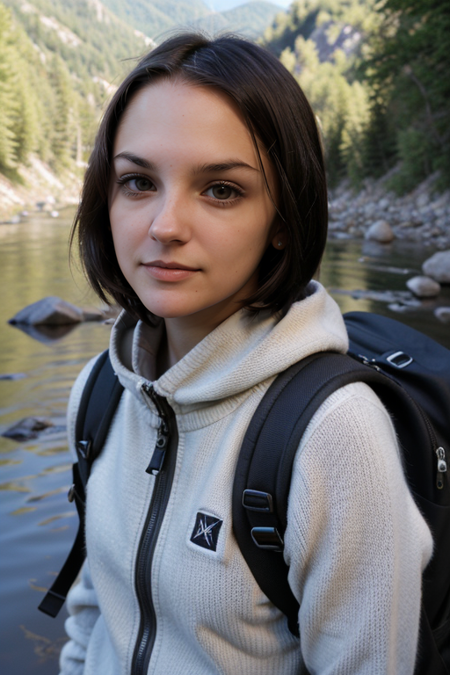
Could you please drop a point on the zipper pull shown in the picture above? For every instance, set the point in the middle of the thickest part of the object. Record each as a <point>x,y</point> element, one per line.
<point>162,439</point>
<point>159,453</point>
<point>441,467</point>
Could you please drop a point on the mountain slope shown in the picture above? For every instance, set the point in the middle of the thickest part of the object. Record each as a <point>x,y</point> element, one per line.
<point>153,17</point>
<point>250,19</point>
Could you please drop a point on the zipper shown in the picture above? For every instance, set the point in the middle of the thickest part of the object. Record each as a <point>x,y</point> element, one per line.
<point>162,467</point>
<point>441,467</point>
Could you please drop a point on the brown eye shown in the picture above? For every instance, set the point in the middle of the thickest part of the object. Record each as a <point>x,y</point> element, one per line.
<point>142,184</point>
<point>222,191</point>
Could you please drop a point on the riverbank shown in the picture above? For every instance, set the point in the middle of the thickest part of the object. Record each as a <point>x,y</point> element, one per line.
<point>40,189</point>
<point>421,216</point>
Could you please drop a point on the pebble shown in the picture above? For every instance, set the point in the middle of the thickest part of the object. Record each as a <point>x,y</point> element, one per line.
<point>443,314</point>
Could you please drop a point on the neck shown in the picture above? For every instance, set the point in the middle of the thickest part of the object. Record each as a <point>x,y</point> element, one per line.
<point>184,333</point>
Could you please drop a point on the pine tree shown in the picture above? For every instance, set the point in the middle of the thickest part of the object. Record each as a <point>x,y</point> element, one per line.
<point>8,102</point>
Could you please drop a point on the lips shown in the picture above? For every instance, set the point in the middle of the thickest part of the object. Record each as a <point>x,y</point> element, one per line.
<point>169,271</point>
<point>170,265</point>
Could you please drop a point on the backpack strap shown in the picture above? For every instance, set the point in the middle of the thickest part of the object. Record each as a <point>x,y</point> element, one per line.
<point>264,468</point>
<point>99,400</point>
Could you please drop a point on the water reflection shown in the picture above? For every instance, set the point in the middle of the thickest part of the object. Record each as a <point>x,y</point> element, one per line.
<point>35,475</point>
<point>45,334</point>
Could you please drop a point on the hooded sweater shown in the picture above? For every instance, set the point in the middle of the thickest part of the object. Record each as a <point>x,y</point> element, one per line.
<point>165,589</point>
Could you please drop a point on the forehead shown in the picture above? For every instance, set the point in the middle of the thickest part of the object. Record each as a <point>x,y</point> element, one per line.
<point>171,114</point>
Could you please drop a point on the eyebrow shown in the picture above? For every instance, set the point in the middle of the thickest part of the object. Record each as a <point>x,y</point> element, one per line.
<point>224,166</point>
<point>203,168</point>
<point>135,159</point>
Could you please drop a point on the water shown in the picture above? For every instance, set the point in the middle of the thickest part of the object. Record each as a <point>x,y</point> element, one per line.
<point>38,524</point>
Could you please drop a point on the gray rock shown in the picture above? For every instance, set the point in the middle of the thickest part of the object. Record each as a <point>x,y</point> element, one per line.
<point>370,209</point>
<point>383,204</point>
<point>423,287</point>
<point>50,311</point>
<point>12,376</point>
<point>438,267</point>
<point>380,231</point>
<point>336,226</point>
<point>443,314</point>
<point>28,428</point>
<point>422,200</point>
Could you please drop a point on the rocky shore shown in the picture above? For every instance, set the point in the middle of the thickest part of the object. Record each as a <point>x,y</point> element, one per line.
<point>376,213</point>
<point>39,189</point>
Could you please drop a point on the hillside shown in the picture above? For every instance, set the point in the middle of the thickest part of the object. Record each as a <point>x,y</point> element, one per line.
<point>59,62</point>
<point>376,76</point>
<point>154,17</point>
<point>250,19</point>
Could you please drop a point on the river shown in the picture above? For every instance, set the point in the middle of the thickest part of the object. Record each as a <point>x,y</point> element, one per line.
<point>38,523</point>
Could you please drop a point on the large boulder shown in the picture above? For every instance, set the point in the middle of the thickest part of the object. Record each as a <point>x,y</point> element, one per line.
<point>438,267</point>
<point>50,311</point>
<point>423,287</point>
<point>380,231</point>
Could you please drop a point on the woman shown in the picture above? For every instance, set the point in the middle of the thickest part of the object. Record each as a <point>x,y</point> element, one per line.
<point>204,215</point>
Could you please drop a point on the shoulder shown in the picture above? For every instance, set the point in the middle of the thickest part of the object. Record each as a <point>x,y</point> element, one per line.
<point>350,439</point>
<point>348,468</point>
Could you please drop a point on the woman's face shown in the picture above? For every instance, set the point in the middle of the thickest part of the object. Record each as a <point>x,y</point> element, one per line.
<point>190,214</point>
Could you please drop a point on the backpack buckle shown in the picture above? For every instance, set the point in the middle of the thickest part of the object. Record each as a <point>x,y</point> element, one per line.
<point>399,359</point>
<point>254,500</point>
<point>84,448</point>
<point>268,538</point>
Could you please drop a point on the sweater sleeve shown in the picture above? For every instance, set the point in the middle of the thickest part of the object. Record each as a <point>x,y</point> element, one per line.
<point>82,603</point>
<point>355,542</point>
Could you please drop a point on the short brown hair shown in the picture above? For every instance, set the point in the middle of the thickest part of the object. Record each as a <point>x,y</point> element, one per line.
<point>276,112</point>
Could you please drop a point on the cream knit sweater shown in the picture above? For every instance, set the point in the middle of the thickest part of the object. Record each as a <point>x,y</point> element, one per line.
<point>355,542</point>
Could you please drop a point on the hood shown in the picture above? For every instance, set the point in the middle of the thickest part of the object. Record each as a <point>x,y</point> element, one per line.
<point>239,354</point>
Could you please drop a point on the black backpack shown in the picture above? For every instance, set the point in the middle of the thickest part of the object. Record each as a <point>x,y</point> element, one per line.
<point>407,370</point>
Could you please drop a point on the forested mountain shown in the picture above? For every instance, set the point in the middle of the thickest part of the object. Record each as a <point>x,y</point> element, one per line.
<point>376,74</point>
<point>60,60</point>
<point>57,63</point>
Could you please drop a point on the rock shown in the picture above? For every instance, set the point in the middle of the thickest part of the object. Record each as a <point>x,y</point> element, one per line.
<point>423,287</point>
<point>336,226</point>
<point>369,209</point>
<point>50,311</point>
<point>443,314</point>
<point>438,267</point>
<point>422,200</point>
<point>12,376</point>
<point>380,231</point>
<point>383,204</point>
<point>106,312</point>
<point>28,428</point>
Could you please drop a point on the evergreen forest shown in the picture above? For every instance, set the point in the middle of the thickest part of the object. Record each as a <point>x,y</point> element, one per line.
<point>376,74</point>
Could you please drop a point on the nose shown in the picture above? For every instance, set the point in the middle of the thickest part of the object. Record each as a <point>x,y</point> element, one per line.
<point>169,223</point>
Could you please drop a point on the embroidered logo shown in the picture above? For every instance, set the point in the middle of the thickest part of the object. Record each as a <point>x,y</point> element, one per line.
<point>206,531</point>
